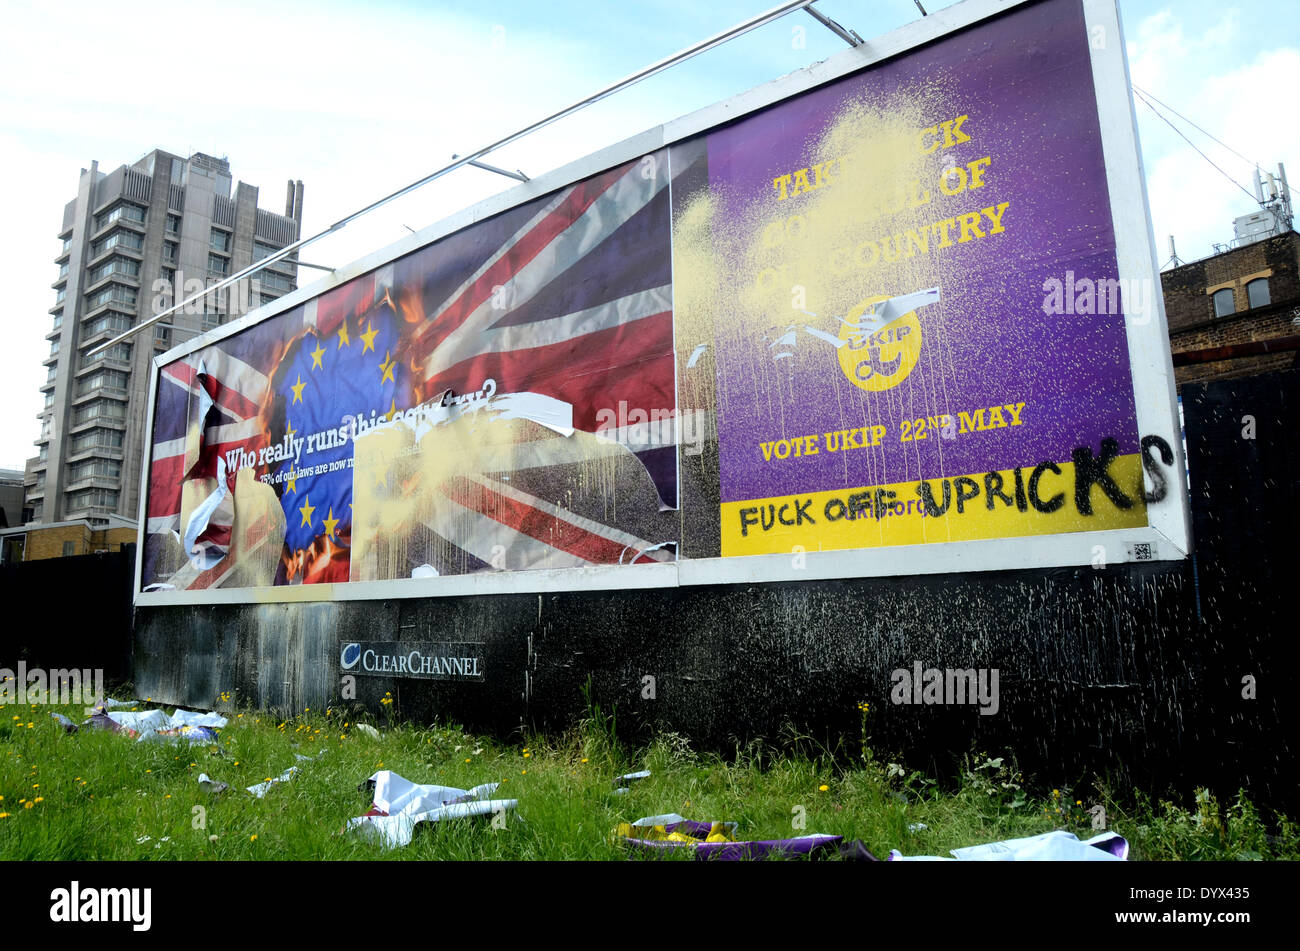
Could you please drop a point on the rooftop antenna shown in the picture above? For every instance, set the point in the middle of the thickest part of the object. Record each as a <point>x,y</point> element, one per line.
<point>1174,260</point>
<point>1274,216</point>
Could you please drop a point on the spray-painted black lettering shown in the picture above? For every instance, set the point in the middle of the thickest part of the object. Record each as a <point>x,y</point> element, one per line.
<point>993,490</point>
<point>1089,471</point>
<point>1159,485</point>
<point>967,489</point>
<point>927,498</point>
<point>1056,501</point>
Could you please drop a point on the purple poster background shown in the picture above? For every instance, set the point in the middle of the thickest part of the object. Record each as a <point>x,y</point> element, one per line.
<point>1025,81</point>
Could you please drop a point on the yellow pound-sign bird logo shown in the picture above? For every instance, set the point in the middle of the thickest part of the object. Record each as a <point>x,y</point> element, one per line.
<point>882,339</point>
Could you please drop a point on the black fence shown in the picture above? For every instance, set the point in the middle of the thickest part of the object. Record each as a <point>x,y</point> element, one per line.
<point>63,613</point>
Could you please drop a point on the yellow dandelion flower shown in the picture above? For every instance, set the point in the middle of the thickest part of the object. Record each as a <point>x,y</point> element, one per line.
<point>252,838</point>
<point>39,799</point>
<point>584,759</point>
<point>4,815</point>
<point>27,805</point>
<point>823,788</point>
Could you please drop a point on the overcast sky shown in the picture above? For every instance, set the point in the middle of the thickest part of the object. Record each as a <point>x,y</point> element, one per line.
<point>358,99</point>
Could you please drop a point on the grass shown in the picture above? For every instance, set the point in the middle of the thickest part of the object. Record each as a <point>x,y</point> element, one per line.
<point>100,796</point>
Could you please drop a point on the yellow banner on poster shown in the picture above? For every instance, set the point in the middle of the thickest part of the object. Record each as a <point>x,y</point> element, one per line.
<point>1032,500</point>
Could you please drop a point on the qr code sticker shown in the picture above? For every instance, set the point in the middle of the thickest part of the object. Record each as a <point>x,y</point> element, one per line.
<point>1142,551</point>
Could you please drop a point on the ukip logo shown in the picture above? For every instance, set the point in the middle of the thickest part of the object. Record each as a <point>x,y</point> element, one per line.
<point>882,339</point>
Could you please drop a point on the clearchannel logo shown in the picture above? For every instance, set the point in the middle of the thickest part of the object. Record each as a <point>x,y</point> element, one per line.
<point>349,656</point>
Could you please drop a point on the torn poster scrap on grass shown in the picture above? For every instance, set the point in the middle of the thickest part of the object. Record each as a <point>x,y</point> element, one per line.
<point>400,805</point>
<point>1056,846</point>
<point>716,840</point>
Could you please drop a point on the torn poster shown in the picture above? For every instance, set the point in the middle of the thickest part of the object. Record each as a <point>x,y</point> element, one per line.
<point>400,805</point>
<point>716,840</point>
<point>1056,846</point>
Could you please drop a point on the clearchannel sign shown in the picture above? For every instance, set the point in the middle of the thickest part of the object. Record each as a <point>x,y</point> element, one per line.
<point>424,660</point>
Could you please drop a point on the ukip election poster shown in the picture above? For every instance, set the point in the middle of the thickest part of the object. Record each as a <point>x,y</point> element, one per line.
<point>886,310</point>
<point>867,264</point>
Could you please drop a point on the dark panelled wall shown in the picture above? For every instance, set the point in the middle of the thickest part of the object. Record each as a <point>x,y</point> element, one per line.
<point>1133,668</point>
<point>63,613</point>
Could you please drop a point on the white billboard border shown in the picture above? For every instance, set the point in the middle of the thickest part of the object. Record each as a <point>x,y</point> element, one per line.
<point>1167,537</point>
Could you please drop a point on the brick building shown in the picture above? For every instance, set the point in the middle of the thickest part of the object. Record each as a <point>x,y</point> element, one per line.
<point>34,542</point>
<point>1236,313</point>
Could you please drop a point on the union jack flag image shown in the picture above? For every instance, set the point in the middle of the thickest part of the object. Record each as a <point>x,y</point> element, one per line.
<point>442,414</point>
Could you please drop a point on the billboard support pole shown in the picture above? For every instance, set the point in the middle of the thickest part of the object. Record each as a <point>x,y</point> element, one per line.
<point>848,36</point>
<point>517,175</point>
<point>775,13</point>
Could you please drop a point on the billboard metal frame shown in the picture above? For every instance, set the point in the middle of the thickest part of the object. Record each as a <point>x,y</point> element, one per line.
<point>1167,537</point>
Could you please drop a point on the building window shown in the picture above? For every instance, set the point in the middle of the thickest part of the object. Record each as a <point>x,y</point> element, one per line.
<point>111,321</point>
<point>217,264</point>
<point>125,211</point>
<point>11,550</point>
<point>273,280</point>
<point>1257,292</point>
<point>1223,303</point>
<point>97,439</point>
<point>169,252</point>
<point>107,468</point>
<point>114,292</point>
<point>219,240</point>
<point>118,239</point>
<point>174,224</point>
<point>103,498</point>
<point>115,265</point>
<point>119,351</point>
<point>103,379</point>
<point>99,409</point>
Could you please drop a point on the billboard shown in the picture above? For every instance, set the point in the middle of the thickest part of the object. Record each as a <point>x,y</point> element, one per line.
<point>897,313</point>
